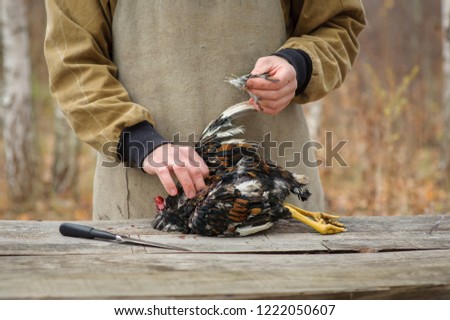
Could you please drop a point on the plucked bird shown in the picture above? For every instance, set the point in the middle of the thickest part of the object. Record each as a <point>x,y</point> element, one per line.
<point>244,193</point>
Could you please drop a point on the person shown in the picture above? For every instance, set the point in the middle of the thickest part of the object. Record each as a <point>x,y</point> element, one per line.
<point>138,80</point>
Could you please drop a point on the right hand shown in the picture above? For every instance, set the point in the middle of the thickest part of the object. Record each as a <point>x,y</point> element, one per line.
<point>182,161</point>
<point>274,95</point>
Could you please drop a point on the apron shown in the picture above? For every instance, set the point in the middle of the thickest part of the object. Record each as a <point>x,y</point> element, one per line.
<point>173,57</point>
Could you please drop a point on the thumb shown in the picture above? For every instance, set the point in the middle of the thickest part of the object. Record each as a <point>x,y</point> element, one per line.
<point>261,66</point>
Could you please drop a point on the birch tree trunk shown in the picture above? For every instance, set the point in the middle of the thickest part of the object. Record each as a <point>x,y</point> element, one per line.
<point>65,164</point>
<point>446,86</point>
<point>17,127</point>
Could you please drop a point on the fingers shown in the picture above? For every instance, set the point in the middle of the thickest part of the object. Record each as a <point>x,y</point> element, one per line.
<point>274,101</point>
<point>267,84</point>
<point>181,162</point>
<point>271,107</point>
<point>184,177</point>
<point>191,173</point>
<point>166,179</point>
<point>287,90</point>
<point>198,162</point>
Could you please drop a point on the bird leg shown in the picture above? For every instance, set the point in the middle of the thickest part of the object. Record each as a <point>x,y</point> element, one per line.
<point>319,221</point>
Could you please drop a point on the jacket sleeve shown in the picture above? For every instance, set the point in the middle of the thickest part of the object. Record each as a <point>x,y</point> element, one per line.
<point>83,78</point>
<point>327,32</point>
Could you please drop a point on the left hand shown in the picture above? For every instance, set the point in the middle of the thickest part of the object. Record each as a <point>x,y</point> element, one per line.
<point>274,95</point>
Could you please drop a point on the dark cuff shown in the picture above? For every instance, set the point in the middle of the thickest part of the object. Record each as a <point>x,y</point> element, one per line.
<point>137,141</point>
<point>302,64</point>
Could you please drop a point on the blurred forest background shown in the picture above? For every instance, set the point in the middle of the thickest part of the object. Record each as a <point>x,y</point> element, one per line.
<point>392,110</point>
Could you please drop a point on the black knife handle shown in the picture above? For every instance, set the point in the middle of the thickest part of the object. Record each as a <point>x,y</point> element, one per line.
<point>81,231</point>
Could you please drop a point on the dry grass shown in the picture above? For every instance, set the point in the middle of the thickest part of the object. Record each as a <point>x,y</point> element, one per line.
<point>393,160</point>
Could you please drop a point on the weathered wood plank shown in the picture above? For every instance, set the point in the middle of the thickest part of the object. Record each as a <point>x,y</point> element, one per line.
<point>416,274</point>
<point>37,262</point>
<point>298,243</point>
<point>12,229</point>
<point>369,234</point>
<point>387,241</point>
<point>257,244</point>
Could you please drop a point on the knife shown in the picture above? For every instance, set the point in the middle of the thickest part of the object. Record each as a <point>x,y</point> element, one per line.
<point>86,232</point>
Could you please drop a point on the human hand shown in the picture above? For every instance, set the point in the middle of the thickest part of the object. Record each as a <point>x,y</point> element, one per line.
<point>182,161</point>
<point>274,95</point>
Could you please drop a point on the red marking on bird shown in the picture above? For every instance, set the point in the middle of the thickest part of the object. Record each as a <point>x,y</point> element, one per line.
<point>160,203</point>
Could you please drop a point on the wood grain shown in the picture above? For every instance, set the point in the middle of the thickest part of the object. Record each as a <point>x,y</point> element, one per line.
<point>378,258</point>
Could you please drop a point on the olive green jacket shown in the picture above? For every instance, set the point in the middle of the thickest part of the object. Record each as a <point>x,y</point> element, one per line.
<point>83,78</point>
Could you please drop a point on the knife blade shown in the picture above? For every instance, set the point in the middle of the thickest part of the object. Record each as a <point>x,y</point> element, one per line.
<point>86,232</point>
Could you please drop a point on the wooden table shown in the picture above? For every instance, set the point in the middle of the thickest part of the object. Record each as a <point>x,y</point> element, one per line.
<point>379,257</point>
